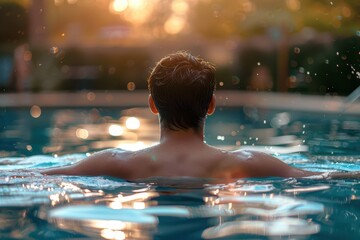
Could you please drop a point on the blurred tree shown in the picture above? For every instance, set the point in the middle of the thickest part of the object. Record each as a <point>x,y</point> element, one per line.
<point>84,23</point>
<point>14,19</point>
<point>83,20</point>
<point>278,18</point>
<point>225,18</point>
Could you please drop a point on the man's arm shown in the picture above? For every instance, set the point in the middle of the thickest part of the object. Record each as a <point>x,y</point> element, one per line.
<point>104,163</point>
<point>260,164</point>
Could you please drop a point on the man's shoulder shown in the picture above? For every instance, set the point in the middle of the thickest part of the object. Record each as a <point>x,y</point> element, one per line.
<point>112,153</point>
<point>242,154</point>
<point>113,157</point>
<point>246,158</point>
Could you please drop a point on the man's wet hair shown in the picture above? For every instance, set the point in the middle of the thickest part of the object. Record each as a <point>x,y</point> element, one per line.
<point>182,87</point>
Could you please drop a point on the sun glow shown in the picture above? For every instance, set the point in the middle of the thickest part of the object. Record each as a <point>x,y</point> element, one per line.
<point>134,11</point>
<point>174,24</point>
<point>119,6</point>
<point>115,130</point>
<point>132,123</point>
<point>180,7</point>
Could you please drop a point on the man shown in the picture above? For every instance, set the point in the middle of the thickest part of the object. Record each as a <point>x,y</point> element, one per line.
<point>181,91</point>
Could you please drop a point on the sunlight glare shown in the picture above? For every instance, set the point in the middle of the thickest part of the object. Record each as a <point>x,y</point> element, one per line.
<point>133,146</point>
<point>115,130</point>
<point>119,5</point>
<point>112,234</point>
<point>180,7</point>
<point>137,4</point>
<point>132,123</point>
<point>174,25</point>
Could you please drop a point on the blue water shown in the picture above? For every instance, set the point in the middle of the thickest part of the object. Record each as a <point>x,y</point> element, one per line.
<point>33,206</point>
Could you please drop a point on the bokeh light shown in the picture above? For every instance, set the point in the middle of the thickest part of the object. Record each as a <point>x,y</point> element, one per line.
<point>132,123</point>
<point>82,133</point>
<point>118,6</point>
<point>35,111</point>
<point>115,130</point>
<point>174,24</point>
<point>180,7</point>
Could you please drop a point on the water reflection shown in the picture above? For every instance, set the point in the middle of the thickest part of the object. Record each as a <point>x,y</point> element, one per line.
<point>98,207</point>
<point>95,221</point>
<point>93,130</point>
<point>64,131</point>
<point>278,228</point>
<point>136,201</point>
<point>260,211</point>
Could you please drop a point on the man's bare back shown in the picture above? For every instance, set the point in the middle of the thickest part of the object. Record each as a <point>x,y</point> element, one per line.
<point>188,157</point>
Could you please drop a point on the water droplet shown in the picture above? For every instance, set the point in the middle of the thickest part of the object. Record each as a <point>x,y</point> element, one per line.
<point>297,50</point>
<point>131,86</point>
<point>221,138</point>
<point>54,50</point>
<point>112,70</point>
<point>90,96</point>
<point>35,111</point>
<point>258,63</point>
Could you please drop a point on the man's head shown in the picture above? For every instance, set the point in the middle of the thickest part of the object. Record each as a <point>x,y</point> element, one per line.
<point>181,88</point>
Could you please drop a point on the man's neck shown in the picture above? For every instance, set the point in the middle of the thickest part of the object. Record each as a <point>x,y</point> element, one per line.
<point>188,135</point>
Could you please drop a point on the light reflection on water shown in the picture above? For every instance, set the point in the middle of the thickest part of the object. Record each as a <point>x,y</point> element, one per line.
<point>74,130</point>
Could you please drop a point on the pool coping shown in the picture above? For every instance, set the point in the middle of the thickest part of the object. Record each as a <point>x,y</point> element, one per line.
<point>225,98</point>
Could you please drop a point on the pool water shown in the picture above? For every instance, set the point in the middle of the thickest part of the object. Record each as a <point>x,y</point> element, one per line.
<point>33,206</point>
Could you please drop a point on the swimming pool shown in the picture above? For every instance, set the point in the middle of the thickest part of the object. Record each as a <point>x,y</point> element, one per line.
<point>69,207</point>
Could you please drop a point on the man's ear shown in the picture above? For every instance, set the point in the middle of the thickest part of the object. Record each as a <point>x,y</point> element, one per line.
<point>152,105</point>
<point>212,105</point>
